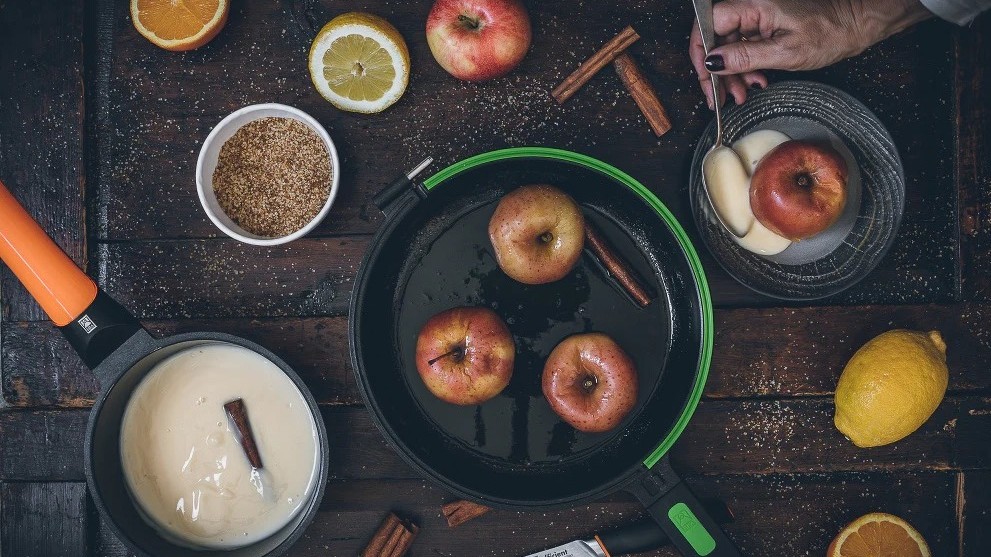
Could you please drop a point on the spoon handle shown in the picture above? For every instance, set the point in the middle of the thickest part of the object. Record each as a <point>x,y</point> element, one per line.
<point>703,14</point>
<point>719,117</point>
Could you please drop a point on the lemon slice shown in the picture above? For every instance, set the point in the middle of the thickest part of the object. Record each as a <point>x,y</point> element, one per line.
<point>359,62</point>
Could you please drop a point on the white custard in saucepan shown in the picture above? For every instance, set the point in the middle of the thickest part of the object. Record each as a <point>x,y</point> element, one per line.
<point>182,460</point>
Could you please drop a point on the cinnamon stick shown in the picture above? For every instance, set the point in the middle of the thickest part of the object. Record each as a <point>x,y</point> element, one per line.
<point>643,93</point>
<point>616,266</point>
<point>392,539</point>
<point>590,67</point>
<point>239,416</point>
<point>459,512</point>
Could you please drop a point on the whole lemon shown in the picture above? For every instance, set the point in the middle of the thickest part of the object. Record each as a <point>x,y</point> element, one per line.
<point>891,386</point>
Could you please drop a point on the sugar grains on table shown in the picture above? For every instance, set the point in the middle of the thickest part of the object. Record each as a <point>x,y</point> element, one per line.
<point>273,176</point>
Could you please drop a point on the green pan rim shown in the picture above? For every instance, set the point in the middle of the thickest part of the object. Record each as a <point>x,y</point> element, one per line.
<point>666,216</point>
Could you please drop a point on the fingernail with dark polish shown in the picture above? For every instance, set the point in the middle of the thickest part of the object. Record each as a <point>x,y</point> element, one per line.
<point>714,63</point>
<point>756,86</point>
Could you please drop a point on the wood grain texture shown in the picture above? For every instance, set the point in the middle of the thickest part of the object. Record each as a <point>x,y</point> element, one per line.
<point>802,351</point>
<point>43,520</point>
<point>776,515</point>
<point>41,369</point>
<point>166,104</point>
<point>973,156</point>
<point>914,105</point>
<point>42,445</point>
<point>724,437</point>
<point>766,353</point>
<point>973,512</point>
<point>762,438</point>
<point>225,278</point>
<point>41,129</point>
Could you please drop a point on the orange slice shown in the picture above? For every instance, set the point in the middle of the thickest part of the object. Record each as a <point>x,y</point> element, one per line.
<point>179,24</point>
<point>879,535</point>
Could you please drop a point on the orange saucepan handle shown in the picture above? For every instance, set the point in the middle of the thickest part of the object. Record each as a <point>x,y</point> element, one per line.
<point>59,286</point>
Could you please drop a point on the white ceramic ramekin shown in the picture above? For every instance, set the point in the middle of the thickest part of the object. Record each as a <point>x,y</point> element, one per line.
<point>207,163</point>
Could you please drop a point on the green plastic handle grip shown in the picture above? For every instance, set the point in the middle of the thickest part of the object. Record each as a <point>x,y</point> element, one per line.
<point>679,513</point>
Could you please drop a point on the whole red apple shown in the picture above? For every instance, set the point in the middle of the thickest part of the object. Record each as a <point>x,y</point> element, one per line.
<point>537,232</point>
<point>465,355</point>
<point>477,40</point>
<point>590,382</point>
<point>799,189</point>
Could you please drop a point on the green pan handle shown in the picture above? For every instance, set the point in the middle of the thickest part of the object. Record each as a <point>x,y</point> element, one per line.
<point>669,502</point>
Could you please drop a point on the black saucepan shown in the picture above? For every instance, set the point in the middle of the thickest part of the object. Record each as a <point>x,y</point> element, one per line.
<point>433,253</point>
<point>120,352</point>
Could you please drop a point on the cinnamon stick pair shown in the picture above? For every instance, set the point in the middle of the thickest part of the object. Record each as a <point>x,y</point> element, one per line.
<point>392,539</point>
<point>609,51</point>
<point>629,73</point>
<point>395,536</point>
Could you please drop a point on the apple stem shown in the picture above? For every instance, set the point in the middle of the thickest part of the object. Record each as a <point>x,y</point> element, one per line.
<point>469,22</point>
<point>804,181</point>
<point>458,352</point>
<point>545,238</point>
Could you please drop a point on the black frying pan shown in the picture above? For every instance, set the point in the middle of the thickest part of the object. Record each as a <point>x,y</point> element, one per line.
<point>433,253</point>
<point>120,353</point>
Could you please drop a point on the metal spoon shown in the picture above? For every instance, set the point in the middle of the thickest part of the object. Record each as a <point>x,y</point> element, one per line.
<point>703,13</point>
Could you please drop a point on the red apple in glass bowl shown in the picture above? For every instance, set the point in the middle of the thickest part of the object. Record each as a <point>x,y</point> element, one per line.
<point>465,355</point>
<point>478,40</point>
<point>799,189</point>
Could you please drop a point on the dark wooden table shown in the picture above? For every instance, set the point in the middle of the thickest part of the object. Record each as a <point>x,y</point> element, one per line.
<point>99,132</point>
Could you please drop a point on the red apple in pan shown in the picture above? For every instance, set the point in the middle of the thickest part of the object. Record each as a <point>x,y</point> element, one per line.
<point>538,233</point>
<point>477,40</point>
<point>799,189</point>
<point>465,355</point>
<point>590,382</point>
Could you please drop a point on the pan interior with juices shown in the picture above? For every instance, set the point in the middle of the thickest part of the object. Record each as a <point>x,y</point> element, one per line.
<point>513,449</point>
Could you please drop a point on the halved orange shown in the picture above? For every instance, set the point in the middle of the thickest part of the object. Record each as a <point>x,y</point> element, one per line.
<point>179,24</point>
<point>879,535</point>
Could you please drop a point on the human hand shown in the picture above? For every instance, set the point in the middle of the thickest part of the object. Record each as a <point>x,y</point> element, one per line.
<point>791,35</point>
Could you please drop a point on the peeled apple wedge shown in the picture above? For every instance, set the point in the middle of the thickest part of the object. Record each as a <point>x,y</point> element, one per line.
<point>729,187</point>
<point>752,147</point>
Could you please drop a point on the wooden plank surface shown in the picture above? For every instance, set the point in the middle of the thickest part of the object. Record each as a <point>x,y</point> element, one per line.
<point>973,160</point>
<point>780,352</point>
<point>43,520</point>
<point>225,278</point>
<point>164,105</point>
<point>762,438</point>
<point>311,276</point>
<point>41,128</point>
<point>776,515</point>
<point>724,437</point>
<point>974,512</point>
